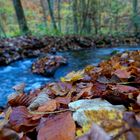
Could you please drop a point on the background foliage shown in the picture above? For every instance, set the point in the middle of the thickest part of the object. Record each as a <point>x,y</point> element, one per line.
<point>83,17</point>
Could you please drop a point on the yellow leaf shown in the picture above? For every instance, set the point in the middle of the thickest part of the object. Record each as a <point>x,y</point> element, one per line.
<point>73,76</point>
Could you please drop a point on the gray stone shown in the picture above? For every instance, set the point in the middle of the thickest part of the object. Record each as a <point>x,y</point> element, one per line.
<point>93,104</point>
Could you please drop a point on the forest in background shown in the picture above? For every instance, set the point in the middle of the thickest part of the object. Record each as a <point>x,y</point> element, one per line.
<point>66,17</point>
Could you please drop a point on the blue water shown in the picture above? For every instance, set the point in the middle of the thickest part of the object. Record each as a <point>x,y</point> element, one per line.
<point>20,71</point>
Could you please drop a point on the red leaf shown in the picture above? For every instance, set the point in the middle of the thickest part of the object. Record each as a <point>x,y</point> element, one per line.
<point>122,74</point>
<point>60,127</point>
<point>21,120</point>
<point>123,88</point>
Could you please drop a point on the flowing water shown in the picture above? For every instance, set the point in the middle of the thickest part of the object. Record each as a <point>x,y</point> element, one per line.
<point>20,71</point>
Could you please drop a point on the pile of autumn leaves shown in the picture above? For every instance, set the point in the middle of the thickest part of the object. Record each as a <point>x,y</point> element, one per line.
<point>44,114</point>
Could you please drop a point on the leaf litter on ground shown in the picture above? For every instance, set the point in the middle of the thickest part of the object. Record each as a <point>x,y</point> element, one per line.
<point>46,114</point>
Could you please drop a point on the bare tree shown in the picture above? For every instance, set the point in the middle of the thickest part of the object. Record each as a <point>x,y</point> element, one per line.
<point>59,14</point>
<point>135,15</point>
<point>2,31</point>
<point>20,16</point>
<point>42,2</point>
<point>75,20</point>
<point>52,14</point>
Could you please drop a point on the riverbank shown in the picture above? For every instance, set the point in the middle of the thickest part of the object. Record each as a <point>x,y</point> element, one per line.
<point>13,49</point>
<point>20,71</point>
<point>51,110</point>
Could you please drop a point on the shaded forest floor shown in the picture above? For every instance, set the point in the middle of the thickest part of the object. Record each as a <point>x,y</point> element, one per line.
<point>13,49</point>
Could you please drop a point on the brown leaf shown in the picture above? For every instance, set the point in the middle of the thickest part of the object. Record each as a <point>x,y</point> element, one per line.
<point>60,88</point>
<point>123,88</point>
<point>133,121</point>
<point>8,134</point>
<point>96,133</point>
<point>60,127</point>
<point>49,106</point>
<point>21,120</point>
<point>21,100</point>
<point>84,90</point>
<point>64,100</point>
<point>122,74</point>
<point>98,89</point>
<point>138,99</point>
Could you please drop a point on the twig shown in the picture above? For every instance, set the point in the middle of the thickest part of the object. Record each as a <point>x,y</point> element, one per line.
<point>127,83</point>
<point>47,113</point>
<point>120,133</point>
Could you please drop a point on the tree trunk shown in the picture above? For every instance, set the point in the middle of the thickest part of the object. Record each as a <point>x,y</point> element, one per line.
<point>2,31</point>
<point>20,17</point>
<point>59,15</point>
<point>52,14</point>
<point>42,2</point>
<point>75,20</point>
<point>135,15</point>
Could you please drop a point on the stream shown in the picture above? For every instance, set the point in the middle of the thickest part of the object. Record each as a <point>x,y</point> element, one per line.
<point>20,71</point>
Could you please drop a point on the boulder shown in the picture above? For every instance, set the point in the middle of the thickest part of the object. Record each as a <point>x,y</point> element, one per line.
<point>91,105</point>
<point>48,65</point>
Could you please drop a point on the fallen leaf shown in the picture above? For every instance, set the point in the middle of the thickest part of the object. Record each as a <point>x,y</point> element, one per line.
<point>64,100</point>
<point>122,74</point>
<point>21,120</point>
<point>20,100</point>
<point>123,88</point>
<point>96,133</point>
<point>48,107</point>
<point>138,99</point>
<point>73,76</point>
<point>41,99</point>
<point>59,127</point>
<point>60,88</point>
<point>8,134</point>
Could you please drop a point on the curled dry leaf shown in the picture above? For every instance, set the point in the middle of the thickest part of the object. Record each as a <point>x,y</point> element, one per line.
<point>21,120</point>
<point>59,127</point>
<point>60,88</point>
<point>20,99</point>
<point>41,99</point>
<point>19,88</point>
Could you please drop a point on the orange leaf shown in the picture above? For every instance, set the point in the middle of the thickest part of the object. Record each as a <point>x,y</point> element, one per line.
<point>60,127</point>
<point>49,106</point>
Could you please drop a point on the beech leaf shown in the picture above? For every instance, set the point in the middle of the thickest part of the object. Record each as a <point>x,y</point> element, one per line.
<point>60,127</point>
